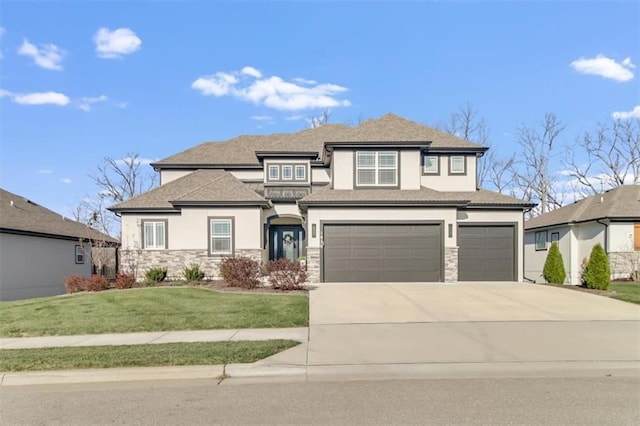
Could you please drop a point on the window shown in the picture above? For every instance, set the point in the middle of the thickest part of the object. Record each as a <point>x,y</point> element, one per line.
<point>301,173</point>
<point>79,255</point>
<point>287,172</point>
<point>274,172</point>
<point>154,234</point>
<point>457,165</point>
<point>555,237</point>
<point>430,164</point>
<point>221,236</point>
<point>376,168</point>
<point>541,240</point>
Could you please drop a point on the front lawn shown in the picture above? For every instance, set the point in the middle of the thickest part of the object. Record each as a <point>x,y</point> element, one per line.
<point>140,355</point>
<point>150,309</point>
<point>629,292</point>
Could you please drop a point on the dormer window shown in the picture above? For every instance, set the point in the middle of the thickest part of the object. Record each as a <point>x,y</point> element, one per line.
<point>274,172</point>
<point>286,172</point>
<point>376,168</point>
<point>301,173</point>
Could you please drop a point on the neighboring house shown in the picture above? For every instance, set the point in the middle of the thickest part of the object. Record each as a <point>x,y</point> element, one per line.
<point>38,248</point>
<point>388,200</point>
<point>611,219</point>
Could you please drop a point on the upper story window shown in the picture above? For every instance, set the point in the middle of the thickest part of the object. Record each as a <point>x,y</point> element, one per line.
<point>154,234</point>
<point>376,168</point>
<point>431,165</point>
<point>457,165</point>
<point>287,172</point>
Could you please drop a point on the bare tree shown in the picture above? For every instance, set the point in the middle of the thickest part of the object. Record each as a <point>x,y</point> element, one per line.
<point>320,120</point>
<point>124,178</point>
<point>533,179</point>
<point>610,157</point>
<point>466,124</point>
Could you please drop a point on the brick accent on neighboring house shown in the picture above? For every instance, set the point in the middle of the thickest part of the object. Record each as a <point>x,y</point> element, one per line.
<point>451,264</point>
<point>139,261</point>
<point>313,264</point>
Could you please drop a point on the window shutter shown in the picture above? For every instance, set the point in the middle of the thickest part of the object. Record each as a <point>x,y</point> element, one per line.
<point>636,236</point>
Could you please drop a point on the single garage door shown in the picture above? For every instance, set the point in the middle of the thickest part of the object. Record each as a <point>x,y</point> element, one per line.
<point>486,253</point>
<point>382,253</point>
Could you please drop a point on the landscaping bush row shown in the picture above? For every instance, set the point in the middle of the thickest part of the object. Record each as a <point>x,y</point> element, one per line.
<point>595,274</point>
<point>76,283</point>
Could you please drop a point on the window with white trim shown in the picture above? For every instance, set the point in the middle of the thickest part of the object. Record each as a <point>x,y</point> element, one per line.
<point>79,255</point>
<point>457,165</point>
<point>301,173</point>
<point>287,172</point>
<point>221,236</point>
<point>274,172</point>
<point>430,164</point>
<point>154,234</point>
<point>376,168</point>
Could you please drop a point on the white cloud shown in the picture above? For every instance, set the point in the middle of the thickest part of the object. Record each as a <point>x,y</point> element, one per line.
<point>66,181</point>
<point>625,115</point>
<point>47,56</point>
<point>116,43</point>
<point>261,118</point>
<point>251,71</point>
<point>304,81</point>
<point>5,93</point>
<point>274,92</point>
<point>605,67</point>
<point>41,98</point>
<point>45,171</point>
<point>86,102</point>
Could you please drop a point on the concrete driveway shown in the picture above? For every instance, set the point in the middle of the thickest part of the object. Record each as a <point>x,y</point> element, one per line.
<point>488,323</point>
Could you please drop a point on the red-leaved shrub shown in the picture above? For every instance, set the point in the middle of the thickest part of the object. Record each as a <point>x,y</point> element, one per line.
<point>74,283</point>
<point>125,281</point>
<point>285,274</point>
<point>241,271</point>
<point>96,283</point>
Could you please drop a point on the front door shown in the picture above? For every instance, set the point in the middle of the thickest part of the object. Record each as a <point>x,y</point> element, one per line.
<point>285,241</point>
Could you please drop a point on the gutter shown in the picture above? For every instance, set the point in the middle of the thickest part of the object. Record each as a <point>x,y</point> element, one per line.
<point>523,256</point>
<point>606,235</point>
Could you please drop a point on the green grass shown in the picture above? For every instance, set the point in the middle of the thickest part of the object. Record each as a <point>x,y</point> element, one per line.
<point>629,292</point>
<point>150,309</point>
<point>140,355</point>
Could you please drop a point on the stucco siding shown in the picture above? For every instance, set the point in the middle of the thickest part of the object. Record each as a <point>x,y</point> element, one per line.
<point>534,260</point>
<point>320,175</point>
<point>167,176</point>
<point>410,169</point>
<point>36,266</point>
<point>342,164</point>
<point>445,182</point>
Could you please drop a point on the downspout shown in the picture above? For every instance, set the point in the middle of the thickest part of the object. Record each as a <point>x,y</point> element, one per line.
<point>606,235</point>
<point>523,256</point>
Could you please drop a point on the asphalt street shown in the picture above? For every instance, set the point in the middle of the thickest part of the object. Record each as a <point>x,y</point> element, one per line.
<point>532,401</point>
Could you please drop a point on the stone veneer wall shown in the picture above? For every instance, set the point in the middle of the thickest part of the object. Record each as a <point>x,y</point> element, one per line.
<point>313,264</point>
<point>450,264</point>
<point>138,262</point>
<point>623,264</point>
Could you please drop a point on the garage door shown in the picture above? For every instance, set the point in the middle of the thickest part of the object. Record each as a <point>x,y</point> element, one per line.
<point>486,253</point>
<point>382,253</point>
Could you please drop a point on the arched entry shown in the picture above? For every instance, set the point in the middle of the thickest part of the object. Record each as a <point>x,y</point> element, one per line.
<point>285,237</point>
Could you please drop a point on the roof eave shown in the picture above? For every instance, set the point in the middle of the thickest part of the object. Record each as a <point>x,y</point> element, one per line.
<point>198,166</point>
<point>391,203</point>
<point>217,203</point>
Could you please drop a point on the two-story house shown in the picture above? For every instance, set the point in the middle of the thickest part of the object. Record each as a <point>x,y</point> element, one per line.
<point>389,200</point>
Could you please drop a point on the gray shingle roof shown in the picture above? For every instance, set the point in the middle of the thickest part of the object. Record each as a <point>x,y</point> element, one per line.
<point>241,150</point>
<point>201,186</point>
<point>422,195</point>
<point>620,202</point>
<point>29,217</point>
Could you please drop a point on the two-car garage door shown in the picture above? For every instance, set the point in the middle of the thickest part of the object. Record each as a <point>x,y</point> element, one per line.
<point>382,253</point>
<point>414,252</point>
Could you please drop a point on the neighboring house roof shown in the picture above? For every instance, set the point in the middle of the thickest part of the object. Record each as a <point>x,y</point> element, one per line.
<point>622,202</point>
<point>22,216</point>
<point>202,187</point>
<point>422,196</point>
<point>241,151</point>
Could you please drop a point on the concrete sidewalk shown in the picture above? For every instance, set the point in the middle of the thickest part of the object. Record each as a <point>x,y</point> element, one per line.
<point>300,334</point>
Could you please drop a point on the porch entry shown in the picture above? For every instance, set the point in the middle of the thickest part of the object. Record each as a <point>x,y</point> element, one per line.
<point>286,241</point>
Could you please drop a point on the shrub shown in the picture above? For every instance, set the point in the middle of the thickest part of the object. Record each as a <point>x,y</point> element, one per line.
<point>554,271</point>
<point>74,283</point>
<point>125,281</point>
<point>285,274</point>
<point>193,273</point>
<point>597,274</point>
<point>242,272</point>
<point>155,275</point>
<point>96,283</point>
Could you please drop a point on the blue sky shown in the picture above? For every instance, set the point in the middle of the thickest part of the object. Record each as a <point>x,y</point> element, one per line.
<point>83,80</point>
